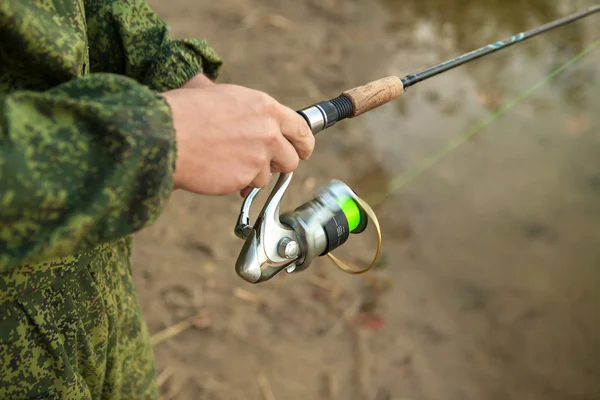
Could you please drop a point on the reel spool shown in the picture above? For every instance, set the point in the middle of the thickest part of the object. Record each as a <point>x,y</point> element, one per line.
<point>292,240</point>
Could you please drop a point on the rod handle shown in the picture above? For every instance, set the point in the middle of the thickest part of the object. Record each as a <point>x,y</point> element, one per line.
<point>352,103</point>
<point>374,94</point>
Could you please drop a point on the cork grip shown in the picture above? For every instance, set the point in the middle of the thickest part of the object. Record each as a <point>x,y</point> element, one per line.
<point>374,94</point>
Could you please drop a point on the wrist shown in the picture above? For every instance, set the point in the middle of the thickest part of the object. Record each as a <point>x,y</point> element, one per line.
<point>198,81</point>
<point>166,97</point>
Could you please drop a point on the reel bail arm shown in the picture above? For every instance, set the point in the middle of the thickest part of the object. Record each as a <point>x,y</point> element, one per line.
<point>269,245</point>
<point>291,241</point>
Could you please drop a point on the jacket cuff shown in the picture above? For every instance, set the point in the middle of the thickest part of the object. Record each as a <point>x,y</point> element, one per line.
<point>179,61</point>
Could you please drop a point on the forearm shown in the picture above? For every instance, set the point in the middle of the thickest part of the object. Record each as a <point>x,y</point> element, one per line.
<point>84,163</point>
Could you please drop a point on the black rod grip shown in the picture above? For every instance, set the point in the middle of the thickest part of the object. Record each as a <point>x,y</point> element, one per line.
<point>325,114</point>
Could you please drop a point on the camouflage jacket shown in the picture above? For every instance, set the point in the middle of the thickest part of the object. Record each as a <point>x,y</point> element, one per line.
<point>87,149</point>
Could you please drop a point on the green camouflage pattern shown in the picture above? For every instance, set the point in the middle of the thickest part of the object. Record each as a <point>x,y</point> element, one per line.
<point>87,155</point>
<point>80,336</point>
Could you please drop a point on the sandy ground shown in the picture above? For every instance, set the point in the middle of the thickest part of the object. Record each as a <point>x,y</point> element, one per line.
<point>420,327</point>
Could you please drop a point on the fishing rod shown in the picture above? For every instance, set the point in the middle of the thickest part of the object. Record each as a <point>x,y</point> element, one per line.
<point>292,240</point>
<point>361,99</point>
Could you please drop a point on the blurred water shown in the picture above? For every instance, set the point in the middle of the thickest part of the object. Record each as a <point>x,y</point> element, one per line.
<point>506,228</point>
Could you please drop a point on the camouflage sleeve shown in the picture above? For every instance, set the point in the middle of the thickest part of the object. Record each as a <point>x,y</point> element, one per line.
<point>86,162</point>
<point>127,37</point>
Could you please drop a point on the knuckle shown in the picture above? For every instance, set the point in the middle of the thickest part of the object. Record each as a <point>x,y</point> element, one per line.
<point>264,102</point>
<point>260,181</point>
<point>290,164</point>
<point>311,142</point>
<point>271,136</point>
<point>261,159</point>
<point>307,149</point>
<point>240,184</point>
<point>245,179</point>
<point>293,164</point>
<point>303,129</point>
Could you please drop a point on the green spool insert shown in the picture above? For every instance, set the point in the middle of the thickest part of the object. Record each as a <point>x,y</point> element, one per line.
<point>350,210</point>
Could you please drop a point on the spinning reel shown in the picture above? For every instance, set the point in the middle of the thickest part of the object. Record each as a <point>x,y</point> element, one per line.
<point>292,240</point>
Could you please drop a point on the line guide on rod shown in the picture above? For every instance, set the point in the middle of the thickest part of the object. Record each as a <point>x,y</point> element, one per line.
<point>291,241</point>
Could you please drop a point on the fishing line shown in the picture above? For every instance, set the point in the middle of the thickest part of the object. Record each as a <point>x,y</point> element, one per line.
<point>403,179</point>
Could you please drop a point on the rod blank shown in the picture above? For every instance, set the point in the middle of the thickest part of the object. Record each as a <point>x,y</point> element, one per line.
<point>412,79</point>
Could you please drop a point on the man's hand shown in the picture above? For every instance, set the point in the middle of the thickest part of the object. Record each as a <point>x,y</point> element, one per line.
<point>230,137</point>
<point>200,81</point>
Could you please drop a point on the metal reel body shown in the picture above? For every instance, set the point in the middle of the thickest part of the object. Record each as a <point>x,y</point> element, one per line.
<point>259,259</point>
<point>291,241</point>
